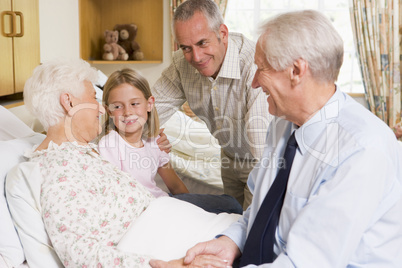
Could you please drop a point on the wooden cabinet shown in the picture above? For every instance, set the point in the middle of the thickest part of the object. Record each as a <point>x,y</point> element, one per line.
<point>19,43</point>
<point>96,16</point>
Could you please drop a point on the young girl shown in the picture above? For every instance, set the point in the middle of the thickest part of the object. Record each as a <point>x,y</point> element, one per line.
<point>129,141</point>
<point>131,130</point>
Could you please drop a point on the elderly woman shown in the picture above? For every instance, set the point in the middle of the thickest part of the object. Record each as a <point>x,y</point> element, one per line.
<point>87,203</point>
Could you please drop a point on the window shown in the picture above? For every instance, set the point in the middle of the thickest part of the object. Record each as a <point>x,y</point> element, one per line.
<point>244,16</point>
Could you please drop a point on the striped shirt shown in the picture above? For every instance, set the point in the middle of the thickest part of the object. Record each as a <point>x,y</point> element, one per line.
<point>235,113</point>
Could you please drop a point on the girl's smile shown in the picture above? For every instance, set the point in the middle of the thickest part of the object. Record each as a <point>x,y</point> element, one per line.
<point>130,120</point>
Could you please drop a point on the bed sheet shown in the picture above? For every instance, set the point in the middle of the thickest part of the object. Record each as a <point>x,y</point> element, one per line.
<point>3,264</point>
<point>184,225</point>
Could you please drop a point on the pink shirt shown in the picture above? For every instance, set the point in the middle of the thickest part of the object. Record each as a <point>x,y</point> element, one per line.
<point>141,163</point>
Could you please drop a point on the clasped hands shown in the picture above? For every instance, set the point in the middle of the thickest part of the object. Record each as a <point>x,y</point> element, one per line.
<point>218,253</point>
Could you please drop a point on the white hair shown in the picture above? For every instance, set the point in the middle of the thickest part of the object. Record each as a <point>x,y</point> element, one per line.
<point>49,80</point>
<point>307,35</point>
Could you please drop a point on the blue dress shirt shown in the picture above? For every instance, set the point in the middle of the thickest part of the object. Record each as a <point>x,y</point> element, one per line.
<point>343,205</point>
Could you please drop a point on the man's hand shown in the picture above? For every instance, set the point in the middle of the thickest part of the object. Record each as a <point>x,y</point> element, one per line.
<point>163,142</point>
<point>223,248</point>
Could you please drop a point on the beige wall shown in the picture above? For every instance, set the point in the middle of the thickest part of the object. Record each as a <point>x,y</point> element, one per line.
<point>59,38</point>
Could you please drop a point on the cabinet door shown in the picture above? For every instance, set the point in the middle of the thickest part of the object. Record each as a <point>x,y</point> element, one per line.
<point>6,51</point>
<point>26,48</point>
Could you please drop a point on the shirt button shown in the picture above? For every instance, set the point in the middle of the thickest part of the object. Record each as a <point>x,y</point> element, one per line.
<point>216,108</point>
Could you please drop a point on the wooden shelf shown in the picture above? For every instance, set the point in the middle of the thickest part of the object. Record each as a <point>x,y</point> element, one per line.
<point>96,16</point>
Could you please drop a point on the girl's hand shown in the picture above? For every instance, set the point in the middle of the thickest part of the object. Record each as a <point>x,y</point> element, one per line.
<point>163,142</point>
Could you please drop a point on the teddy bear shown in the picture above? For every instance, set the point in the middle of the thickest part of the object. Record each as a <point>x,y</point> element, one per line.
<point>127,34</point>
<point>112,50</point>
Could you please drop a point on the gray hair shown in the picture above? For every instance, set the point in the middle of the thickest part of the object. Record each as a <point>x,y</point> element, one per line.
<point>208,8</point>
<point>49,80</point>
<point>307,35</point>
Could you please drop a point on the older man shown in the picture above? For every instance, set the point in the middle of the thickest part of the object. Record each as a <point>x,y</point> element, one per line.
<point>341,203</point>
<point>213,73</point>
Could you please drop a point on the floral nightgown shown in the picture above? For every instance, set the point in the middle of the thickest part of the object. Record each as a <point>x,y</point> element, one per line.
<point>88,205</point>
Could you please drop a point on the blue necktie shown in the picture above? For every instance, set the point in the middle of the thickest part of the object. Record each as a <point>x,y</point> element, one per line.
<point>259,247</point>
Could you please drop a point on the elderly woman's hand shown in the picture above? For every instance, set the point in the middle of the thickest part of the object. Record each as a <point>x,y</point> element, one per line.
<point>223,248</point>
<point>201,261</point>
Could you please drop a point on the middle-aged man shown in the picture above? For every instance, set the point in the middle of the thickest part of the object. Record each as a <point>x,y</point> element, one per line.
<point>343,201</point>
<point>213,72</point>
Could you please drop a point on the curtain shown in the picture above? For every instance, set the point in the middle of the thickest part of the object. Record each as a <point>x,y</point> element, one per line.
<point>375,25</point>
<point>175,3</point>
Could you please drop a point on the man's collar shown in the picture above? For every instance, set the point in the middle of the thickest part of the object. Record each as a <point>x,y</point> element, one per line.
<point>309,132</point>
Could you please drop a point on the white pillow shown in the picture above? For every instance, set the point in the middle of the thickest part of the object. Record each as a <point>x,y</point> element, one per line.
<point>195,152</point>
<point>11,153</point>
<point>25,116</point>
<point>23,188</point>
<point>11,127</point>
<point>191,137</point>
<point>169,227</point>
